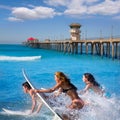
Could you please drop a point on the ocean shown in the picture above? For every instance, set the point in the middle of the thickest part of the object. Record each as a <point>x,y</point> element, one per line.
<point>40,65</point>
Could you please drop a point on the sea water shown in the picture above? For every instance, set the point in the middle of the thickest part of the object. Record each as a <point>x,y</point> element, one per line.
<point>40,66</point>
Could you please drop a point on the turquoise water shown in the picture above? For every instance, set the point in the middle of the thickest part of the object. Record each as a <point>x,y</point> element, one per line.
<point>41,65</point>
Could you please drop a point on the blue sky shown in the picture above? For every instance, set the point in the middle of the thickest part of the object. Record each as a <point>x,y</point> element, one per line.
<point>42,19</point>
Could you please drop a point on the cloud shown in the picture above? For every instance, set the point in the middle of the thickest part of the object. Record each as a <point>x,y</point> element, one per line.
<point>87,7</point>
<point>24,13</point>
<point>15,19</point>
<point>108,7</point>
<point>57,2</point>
<point>74,8</point>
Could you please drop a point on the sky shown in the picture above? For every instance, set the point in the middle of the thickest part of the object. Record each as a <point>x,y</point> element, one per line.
<point>50,19</point>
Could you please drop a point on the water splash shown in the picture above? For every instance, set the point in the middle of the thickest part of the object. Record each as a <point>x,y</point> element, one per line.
<point>98,108</point>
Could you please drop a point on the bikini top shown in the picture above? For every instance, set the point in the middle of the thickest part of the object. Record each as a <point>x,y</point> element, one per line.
<point>66,90</point>
<point>72,87</point>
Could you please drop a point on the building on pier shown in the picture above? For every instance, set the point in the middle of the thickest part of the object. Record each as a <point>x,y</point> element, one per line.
<point>109,47</point>
<point>75,31</point>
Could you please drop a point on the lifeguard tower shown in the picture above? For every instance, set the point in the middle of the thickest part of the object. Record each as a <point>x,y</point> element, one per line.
<point>75,31</point>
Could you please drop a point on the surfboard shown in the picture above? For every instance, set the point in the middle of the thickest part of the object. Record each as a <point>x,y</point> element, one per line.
<point>42,98</point>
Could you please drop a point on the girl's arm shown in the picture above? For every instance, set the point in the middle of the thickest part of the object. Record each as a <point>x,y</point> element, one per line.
<point>49,90</point>
<point>57,93</point>
<point>87,87</point>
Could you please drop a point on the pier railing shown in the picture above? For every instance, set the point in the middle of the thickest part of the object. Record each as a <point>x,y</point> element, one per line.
<point>109,47</point>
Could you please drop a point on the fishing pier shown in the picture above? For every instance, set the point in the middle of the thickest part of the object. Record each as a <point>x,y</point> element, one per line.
<point>109,47</point>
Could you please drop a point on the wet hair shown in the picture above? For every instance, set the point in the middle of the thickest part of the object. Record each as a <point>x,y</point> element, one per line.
<point>62,77</point>
<point>73,86</point>
<point>26,84</point>
<point>91,79</point>
<point>65,79</point>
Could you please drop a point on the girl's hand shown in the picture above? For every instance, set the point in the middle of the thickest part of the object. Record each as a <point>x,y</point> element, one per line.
<point>36,91</point>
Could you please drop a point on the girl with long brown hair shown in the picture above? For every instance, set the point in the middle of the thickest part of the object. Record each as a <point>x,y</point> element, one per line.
<point>64,85</point>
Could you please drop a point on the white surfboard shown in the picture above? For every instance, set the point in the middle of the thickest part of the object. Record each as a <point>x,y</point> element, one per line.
<point>40,95</point>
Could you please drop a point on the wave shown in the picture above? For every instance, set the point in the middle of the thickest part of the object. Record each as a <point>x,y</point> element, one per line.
<point>19,58</point>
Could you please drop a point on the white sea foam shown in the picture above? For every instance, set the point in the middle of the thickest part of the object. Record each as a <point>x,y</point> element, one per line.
<point>19,58</point>
<point>11,112</point>
<point>98,108</point>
